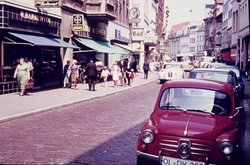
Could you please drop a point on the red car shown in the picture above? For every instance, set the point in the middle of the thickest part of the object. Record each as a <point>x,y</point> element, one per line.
<point>194,122</point>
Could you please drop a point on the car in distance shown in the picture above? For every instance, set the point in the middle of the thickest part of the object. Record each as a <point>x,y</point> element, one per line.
<point>194,122</point>
<point>171,71</point>
<point>239,76</point>
<point>219,75</point>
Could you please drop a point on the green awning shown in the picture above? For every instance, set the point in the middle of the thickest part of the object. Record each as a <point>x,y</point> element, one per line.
<point>43,41</point>
<point>101,46</point>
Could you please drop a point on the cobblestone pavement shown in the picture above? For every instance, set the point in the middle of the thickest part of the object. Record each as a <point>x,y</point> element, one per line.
<point>101,131</point>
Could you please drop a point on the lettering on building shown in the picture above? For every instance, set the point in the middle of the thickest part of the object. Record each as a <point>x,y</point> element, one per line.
<point>48,3</point>
<point>35,17</point>
<point>137,34</point>
<point>118,36</point>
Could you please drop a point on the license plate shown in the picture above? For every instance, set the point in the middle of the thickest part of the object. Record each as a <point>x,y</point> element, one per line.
<point>173,161</point>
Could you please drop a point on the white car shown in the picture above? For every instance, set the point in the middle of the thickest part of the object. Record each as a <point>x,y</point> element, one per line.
<point>171,71</point>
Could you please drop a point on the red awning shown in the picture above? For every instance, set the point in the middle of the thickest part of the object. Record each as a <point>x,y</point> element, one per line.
<point>225,55</point>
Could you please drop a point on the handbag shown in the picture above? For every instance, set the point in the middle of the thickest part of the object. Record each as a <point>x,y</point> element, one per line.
<point>30,84</point>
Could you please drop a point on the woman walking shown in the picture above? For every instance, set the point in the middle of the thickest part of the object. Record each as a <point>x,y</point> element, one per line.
<point>115,74</point>
<point>22,74</point>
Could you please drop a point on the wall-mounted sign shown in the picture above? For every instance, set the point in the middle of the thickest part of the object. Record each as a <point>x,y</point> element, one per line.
<point>78,22</point>
<point>137,34</point>
<point>120,37</point>
<point>48,3</point>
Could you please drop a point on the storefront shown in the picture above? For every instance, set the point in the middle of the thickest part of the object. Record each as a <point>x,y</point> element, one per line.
<point>34,35</point>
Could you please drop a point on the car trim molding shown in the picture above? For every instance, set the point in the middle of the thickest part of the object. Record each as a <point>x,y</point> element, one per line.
<point>145,154</point>
<point>186,129</point>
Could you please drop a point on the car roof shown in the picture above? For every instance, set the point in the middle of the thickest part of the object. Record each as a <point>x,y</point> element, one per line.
<point>213,70</point>
<point>199,83</point>
<point>229,67</point>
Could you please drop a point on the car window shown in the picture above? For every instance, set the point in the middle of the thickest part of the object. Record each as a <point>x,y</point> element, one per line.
<point>210,75</point>
<point>195,99</point>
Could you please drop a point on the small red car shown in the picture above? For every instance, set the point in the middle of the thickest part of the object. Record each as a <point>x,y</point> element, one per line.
<point>194,122</point>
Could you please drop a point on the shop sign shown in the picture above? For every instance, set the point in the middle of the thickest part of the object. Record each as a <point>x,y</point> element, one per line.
<point>35,17</point>
<point>137,34</point>
<point>119,37</point>
<point>48,3</point>
<point>98,29</point>
<point>78,22</point>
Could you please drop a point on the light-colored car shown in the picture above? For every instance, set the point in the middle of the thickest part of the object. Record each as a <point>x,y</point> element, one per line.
<point>171,71</point>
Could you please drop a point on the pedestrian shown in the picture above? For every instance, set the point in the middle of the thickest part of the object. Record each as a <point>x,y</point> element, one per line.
<point>30,66</point>
<point>132,77</point>
<point>247,69</point>
<point>74,73</point>
<point>124,78</point>
<point>146,69</point>
<point>116,72</point>
<point>104,75</point>
<point>66,74</point>
<point>22,74</point>
<point>91,72</point>
<point>128,76</point>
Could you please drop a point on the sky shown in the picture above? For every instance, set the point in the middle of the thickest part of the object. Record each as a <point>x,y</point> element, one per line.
<point>179,11</point>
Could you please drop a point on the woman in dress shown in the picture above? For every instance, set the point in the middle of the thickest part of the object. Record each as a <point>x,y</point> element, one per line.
<point>22,74</point>
<point>115,74</point>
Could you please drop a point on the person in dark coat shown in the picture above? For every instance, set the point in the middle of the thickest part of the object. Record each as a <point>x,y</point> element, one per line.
<point>146,69</point>
<point>91,71</point>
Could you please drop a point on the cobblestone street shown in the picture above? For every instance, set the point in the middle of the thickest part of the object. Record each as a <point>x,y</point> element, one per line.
<point>100,131</point>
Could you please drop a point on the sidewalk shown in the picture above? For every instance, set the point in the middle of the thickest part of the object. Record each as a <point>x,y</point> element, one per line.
<point>13,106</point>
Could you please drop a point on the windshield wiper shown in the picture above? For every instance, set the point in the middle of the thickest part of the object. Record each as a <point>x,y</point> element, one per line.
<point>173,107</point>
<point>198,110</point>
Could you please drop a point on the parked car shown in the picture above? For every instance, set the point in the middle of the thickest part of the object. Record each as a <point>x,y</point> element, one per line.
<point>171,71</point>
<point>187,61</point>
<point>194,122</point>
<point>239,76</point>
<point>219,75</point>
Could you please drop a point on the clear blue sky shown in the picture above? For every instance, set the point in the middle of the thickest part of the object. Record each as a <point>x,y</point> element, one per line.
<point>179,10</point>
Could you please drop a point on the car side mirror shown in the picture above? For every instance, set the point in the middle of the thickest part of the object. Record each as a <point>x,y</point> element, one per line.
<point>237,112</point>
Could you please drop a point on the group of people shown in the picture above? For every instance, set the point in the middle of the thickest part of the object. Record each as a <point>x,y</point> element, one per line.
<point>123,73</point>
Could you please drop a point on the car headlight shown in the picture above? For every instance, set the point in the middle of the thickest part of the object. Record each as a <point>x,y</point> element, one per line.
<point>226,147</point>
<point>147,136</point>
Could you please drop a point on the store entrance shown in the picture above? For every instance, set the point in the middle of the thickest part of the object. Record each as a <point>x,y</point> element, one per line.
<point>46,61</point>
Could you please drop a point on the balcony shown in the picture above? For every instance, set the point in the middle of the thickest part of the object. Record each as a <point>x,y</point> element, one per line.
<point>100,10</point>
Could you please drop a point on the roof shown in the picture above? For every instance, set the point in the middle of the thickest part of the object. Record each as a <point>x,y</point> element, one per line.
<point>179,27</point>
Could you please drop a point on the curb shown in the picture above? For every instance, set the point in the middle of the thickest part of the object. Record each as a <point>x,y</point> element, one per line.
<point>50,108</point>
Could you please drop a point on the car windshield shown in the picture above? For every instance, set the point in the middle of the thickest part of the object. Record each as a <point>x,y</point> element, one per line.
<point>195,99</point>
<point>218,76</point>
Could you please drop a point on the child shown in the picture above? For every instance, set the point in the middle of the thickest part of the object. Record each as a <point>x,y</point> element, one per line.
<point>132,77</point>
<point>105,73</point>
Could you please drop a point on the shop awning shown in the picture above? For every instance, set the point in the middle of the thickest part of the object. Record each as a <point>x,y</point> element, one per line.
<point>128,48</point>
<point>43,41</point>
<point>101,46</point>
<point>225,55</point>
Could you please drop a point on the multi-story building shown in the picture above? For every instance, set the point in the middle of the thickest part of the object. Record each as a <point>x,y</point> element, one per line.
<point>243,32</point>
<point>49,32</point>
<point>29,30</point>
<point>233,32</point>
<point>187,37</point>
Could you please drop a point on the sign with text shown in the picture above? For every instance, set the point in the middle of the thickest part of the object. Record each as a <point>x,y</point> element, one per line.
<point>137,34</point>
<point>48,3</point>
<point>78,22</point>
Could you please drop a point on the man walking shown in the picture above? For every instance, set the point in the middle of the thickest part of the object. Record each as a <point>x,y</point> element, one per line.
<point>146,69</point>
<point>91,71</point>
